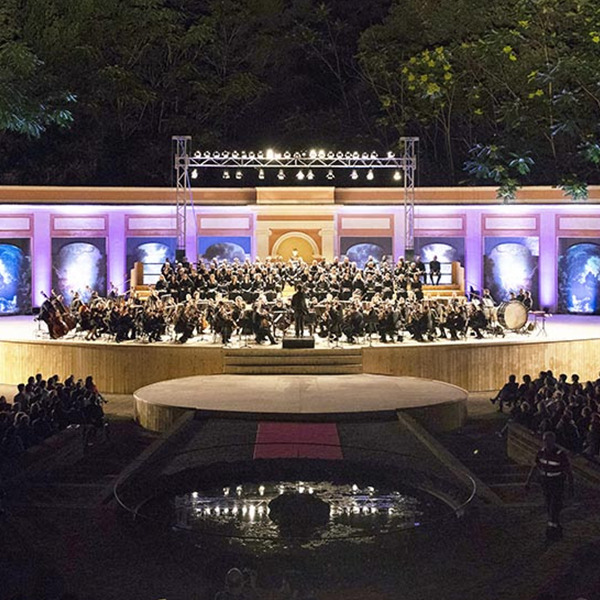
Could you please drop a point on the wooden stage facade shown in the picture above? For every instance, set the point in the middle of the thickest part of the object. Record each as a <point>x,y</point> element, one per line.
<point>572,345</point>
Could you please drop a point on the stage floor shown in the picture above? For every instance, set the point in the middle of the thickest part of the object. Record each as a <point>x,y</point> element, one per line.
<point>570,344</point>
<point>299,394</point>
<point>557,328</point>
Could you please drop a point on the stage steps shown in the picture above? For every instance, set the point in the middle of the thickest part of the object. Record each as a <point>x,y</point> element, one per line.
<point>441,291</point>
<point>277,361</point>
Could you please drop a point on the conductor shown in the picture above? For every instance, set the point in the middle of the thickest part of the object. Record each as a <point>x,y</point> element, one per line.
<point>300,310</point>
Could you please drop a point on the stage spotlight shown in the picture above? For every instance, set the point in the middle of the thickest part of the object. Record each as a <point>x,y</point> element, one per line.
<point>225,154</point>
<point>287,155</point>
<point>216,154</point>
<point>261,174</point>
<point>374,155</point>
<point>226,175</point>
<point>321,153</point>
<point>195,174</point>
<point>252,155</point>
<point>270,154</point>
<point>300,175</point>
<point>330,155</point>
<point>365,155</point>
<point>197,154</point>
<point>244,155</point>
<point>312,153</point>
<point>390,155</point>
<point>330,174</point>
<point>281,175</point>
<point>238,174</point>
<point>355,155</point>
<point>340,155</point>
<point>354,174</point>
<point>310,175</point>
<point>207,155</point>
<point>370,175</point>
<point>397,176</point>
<point>235,154</point>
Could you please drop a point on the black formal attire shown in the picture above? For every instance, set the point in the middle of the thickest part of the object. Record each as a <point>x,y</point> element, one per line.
<point>300,310</point>
<point>435,271</point>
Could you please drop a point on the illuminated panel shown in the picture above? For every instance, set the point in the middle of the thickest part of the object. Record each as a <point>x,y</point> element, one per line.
<point>152,223</point>
<point>225,223</point>
<point>441,223</point>
<point>365,223</point>
<point>79,223</point>
<point>578,223</point>
<point>514,223</point>
<point>15,223</point>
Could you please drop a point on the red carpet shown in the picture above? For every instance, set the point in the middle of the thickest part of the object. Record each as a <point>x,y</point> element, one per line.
<point>285,440</point>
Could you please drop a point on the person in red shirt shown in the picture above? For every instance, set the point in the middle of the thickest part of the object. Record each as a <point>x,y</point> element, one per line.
<point>554,469</point>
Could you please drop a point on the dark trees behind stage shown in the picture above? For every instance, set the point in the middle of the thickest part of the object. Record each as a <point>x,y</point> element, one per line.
<point>505,94</point>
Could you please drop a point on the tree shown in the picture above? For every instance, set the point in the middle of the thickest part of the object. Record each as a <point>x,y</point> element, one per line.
<point>31,98</point>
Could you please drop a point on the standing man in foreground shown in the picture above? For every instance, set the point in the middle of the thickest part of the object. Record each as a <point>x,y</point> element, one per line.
<point>554,468</point>
<point>300,310</point>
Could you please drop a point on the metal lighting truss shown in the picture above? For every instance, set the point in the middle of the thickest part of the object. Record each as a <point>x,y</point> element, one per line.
<point>185,164</point>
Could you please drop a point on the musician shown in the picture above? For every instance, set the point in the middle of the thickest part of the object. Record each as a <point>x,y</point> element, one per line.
<point>335,320</point>
<point>455,322</point>
<point>488,306</point>
<point>226,324</point>
<point>419,269</point>
<point>385,324</point>
<point>262,324</point>
<point>477,320</point>
<point>416,286</point>
<point>435,271</point>
<point>282,315</point>
<point>353,324</point>
<point>300,309</point>
<point>346,286</point>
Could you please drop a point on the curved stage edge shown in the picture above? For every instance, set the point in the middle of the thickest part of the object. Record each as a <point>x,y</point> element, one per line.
<point>123,368</point>
<point>437,405</point>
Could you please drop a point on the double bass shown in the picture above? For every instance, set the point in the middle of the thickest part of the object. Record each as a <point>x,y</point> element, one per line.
<point>56,316</point>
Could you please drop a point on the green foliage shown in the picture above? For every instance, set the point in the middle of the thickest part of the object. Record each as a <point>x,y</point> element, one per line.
<point>101,85</point>
<point>30,98</point>
<point>490,163</point>
<point>574,188</point>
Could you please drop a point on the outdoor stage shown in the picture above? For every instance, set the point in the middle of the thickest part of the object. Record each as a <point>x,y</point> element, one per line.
<point>570,344</point>
<point>299,397</point>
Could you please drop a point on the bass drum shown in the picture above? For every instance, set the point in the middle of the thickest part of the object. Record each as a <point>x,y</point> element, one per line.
<point>512,315</point>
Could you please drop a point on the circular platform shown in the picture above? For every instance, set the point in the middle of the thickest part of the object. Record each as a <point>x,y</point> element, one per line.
<point>294,397</point>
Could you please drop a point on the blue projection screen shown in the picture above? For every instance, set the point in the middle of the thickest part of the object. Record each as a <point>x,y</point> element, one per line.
<point>15,276</point>
<point>511,264</point>
<point>579,276</point>
<point>78,265</point>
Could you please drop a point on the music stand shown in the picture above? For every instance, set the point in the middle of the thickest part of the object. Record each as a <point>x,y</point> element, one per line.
<point>540,317</point>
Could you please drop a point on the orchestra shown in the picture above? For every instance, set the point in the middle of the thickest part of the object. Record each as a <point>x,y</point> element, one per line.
<point>264,300</point>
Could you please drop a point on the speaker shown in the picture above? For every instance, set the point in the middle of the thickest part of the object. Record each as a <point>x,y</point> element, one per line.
<point>293,343</point>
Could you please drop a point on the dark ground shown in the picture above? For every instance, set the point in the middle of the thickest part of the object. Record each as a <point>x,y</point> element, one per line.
<point>59,535</point>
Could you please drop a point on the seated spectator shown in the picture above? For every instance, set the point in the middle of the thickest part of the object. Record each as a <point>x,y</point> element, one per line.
<point>238,586</point>
<point>508,393</point>
<point>592,438</point>
<point>11,445</point>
